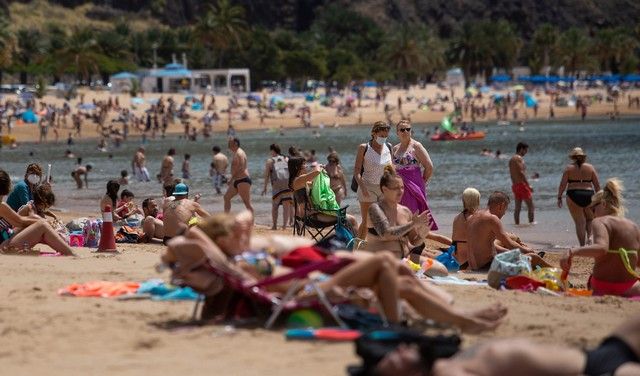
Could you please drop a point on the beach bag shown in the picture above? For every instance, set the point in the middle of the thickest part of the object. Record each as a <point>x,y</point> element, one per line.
<point>91,232</point>
<point>448,260</point>
<point>280,172</point>
<point>322,196</point>
<point>508,264</point>
<point>373,346</point>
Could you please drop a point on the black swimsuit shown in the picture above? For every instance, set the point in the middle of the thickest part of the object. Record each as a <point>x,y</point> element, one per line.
<point>582,197</point>
<point>608,357</point>
<point>240,181</point>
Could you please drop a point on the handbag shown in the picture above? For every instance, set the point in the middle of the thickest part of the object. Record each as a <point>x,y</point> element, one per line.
<point>354,182</point>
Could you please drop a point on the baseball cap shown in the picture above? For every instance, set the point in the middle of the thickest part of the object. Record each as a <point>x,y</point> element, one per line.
<point>181,189</point>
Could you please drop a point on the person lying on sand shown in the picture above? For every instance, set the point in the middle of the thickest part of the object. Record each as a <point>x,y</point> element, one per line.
<point>18,231</point>
<point>224,238</point>
<point>616,241</point>
<point>484,228</point>
<point>178,213</point>
<point>618,354</point>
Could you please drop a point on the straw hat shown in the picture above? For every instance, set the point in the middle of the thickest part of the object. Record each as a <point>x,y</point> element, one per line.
<point>577,152</point>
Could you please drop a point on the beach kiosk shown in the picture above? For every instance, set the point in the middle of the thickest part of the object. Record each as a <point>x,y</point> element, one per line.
<point>122,82</point>
<point>172,78</point>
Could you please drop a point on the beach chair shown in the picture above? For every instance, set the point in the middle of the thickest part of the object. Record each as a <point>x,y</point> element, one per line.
<point>309,222</point>
<point>257,293</point>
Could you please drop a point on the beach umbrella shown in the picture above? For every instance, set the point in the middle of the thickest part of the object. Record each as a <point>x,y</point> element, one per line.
<point>485,89</point>
<point>472,90</point>
<point>87,106</point>
<point>137,100</point>
<point>500,78</point>
<point>369,84</point>
<point>153,100</point>
<point>29,117</point>
<point>529,100</point>
<point>254,97</point>
<point>196,106</point>
<point>517,87</point>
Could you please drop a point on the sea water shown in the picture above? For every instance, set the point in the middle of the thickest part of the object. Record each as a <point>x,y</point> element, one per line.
<point>611,148</point>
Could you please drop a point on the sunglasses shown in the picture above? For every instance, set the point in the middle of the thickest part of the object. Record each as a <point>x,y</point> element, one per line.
<point>404,130</point>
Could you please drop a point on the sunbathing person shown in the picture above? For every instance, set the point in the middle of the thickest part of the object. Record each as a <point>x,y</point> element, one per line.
<point>152,226</point>
<point>618,354</point>
<point>224,238</point>
<point>43,200</point>
<point>394,228</point>
<point>616,241</point>
<point>470,204</point>
<point>300,181</point>
<point>110,199</point>
<point>487,237</point>
<point>178,213</point>
<point>17,231</point>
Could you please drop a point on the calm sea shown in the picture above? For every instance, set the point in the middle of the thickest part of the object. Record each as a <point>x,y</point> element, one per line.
<point>611,148</point>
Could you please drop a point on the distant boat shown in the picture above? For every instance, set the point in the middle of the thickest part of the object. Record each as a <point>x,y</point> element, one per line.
<point>448,136</point>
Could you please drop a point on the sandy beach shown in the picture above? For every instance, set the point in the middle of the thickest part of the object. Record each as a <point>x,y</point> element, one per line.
<point>43,333</point>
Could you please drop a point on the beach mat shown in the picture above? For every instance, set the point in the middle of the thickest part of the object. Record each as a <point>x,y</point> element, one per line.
<point>453,280</point>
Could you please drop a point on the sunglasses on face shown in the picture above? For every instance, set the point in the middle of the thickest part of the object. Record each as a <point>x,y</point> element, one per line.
<point>404,130</point>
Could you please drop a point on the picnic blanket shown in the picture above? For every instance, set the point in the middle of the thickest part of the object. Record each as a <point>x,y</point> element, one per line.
<point>154,289</point>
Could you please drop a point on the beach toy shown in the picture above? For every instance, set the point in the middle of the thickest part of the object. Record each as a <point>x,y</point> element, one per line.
<point>76,240</point>
<point>327,334</point>
<point>91,232</point>
<point>578,292</point>
<point>305,318</point>
<point>551,277</point>
<point>107,238</point>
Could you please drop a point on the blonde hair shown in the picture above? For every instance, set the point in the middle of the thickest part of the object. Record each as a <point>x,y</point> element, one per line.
<point>217,225</point>
<point>471,199</point>
<point>611,196</point>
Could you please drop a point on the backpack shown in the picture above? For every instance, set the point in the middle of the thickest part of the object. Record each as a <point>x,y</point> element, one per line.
<point>91,232</point>
<point>280,169</point>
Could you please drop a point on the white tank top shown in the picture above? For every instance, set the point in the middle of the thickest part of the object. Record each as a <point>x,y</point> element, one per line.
<point>374,164</point>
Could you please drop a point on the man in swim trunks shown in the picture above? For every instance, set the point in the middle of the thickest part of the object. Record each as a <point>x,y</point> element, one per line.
<point>486,237</point>
<point>240,182</point>
<point>166,168</point>
<point>152,226</point>
<point>276,172</point>
<point>138,165</point>
<point>178,212</point>
<point>618,354</point>
<point>520,185</point>
<point>220,163</point>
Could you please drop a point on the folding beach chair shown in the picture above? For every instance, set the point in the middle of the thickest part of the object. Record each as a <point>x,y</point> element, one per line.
<point>309,222</point>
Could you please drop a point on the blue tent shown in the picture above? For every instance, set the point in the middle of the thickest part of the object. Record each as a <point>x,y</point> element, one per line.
<point>124,76</point>
<point>172,70</point>
<point>633,77</point>
<point>29,117</point>
<point>500,78</point>
<point>369,84</point>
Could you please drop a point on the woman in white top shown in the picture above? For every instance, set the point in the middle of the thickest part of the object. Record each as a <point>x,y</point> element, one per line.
<point>371,159</point>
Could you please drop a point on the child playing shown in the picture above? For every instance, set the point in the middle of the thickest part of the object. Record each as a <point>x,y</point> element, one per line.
<point>43,200</point>
<point>124,177</point>
<point>126,207</point>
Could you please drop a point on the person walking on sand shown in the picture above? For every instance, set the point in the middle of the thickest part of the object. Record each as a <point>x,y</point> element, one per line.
<point>616,241</point>
<point>276,172</point>
<point>166,168</point>
<point>240,182</point>
<point>581,181</point>
<point>521,188</point>
<point>219,163</point>
<point>138,165</point>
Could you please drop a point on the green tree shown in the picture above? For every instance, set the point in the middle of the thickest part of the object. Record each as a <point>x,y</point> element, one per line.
<point>613,46</point>
<point>7,45</point>
<point>574,47</point>
<point>30,49</point>
<point>222,27</point>
<point>81,54</point>
<point>402,53</point>
<point>303,65</point>
<point>545,44</point>
<point>471,49</point>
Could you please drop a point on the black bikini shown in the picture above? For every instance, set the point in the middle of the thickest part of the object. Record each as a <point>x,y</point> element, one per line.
<point>608,357</point>
<point>582,197</point>
<point>240,181</point>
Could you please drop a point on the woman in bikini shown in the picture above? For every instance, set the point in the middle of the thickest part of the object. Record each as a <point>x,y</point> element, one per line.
<point>581,182</point>
<point>393,228</point>
<point>16,231</point>
<point>616,241</point>
<point>470,203</point>
<point>110,199</point>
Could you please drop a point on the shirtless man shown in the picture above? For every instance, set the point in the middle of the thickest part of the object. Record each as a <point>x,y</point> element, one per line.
<point>152,227</point>
<point>166,168</point>
<point>240,182</point>
<point>486,237</point>
<point>178,212</point>
<point>220,164</point>
<point>78,172</point>
<point>521,188</point>
<point>138,165</point>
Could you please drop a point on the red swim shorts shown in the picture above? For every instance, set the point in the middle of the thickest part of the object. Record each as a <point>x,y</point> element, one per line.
<point>521,191</point>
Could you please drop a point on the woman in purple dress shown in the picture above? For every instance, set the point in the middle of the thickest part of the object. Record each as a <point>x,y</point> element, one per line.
<point>413,164</point>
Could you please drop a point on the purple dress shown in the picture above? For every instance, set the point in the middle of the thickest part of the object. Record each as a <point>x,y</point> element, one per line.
<point>415,195</point>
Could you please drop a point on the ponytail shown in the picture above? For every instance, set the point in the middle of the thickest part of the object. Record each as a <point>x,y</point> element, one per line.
<point>611,196</point>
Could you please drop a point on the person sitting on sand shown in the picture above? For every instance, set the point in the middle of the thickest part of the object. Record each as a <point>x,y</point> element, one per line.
<point>484,228</point>
<point>125,206</point>
<point>152,226</point>
<point>79,172</point>
<point>394,228</point>
<point>178,213</point>
<point>470,204</point>
<point>43,200</point>
<point>23,190</point>
<point>110,199</point>
<point>224,239</point>
<point>616,241</point>
<point>17,231</point>
<point>618,354</point>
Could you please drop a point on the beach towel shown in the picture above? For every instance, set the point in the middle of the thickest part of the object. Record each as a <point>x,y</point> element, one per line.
<point>322,196</point>
<point>453,280</point>
<point>100,289</point>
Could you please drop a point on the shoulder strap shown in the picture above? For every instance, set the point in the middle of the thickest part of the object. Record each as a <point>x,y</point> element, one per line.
<point>390,149</point>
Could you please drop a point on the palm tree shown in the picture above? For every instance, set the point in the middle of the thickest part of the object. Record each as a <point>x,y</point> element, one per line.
<point>402,53</point>
<point>574,49</point>
<point>471,49</point>
<point>222,27</point>
<point>81,54</point>
<point>7,45</point>
<point>505,43</point>
<point>612,46</point>
<point>30,49</point>
<point>433,52</point>
<point>545,43</point>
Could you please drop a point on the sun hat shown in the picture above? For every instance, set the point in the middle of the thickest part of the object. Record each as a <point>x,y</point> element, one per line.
<point>379,125</point>
<point>181,189</point>
<point>577,152</point>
